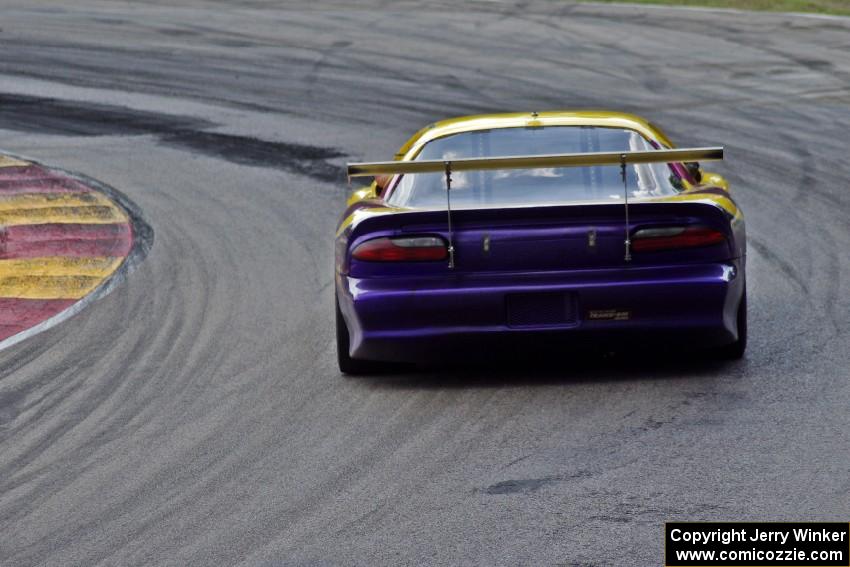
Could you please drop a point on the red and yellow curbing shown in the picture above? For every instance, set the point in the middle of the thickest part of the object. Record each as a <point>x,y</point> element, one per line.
<point>60,239</point>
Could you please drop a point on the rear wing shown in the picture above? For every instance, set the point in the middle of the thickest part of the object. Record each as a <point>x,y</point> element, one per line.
<point>372,169</point>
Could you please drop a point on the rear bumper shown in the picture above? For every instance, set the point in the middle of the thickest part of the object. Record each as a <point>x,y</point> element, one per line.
<point>415,319</point>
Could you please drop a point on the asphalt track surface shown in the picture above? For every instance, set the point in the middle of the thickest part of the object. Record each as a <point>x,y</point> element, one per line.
<point>195,415</point>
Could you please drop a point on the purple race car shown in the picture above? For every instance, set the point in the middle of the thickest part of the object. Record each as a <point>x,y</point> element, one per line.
<point>573,226</point>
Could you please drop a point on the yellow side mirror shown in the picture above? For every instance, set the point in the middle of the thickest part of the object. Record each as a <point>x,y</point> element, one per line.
<point>361,194</point>
<point>381,182</point>
<point>715,180</point>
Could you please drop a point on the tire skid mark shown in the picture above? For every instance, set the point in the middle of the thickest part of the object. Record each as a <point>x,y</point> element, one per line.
<point>64,117</point>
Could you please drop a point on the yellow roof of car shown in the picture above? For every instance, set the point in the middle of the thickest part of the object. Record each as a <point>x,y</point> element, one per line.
<point>599,118</point>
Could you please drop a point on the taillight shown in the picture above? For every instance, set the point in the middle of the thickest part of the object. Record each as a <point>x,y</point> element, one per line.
<point>669,238</point>
<point>412,249</point>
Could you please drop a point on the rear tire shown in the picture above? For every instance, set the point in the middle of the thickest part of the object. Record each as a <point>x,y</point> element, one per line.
<point>735,351</point>
<point>348,365</point>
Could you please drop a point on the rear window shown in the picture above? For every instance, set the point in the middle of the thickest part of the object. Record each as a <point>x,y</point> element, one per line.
<point>530,186</point>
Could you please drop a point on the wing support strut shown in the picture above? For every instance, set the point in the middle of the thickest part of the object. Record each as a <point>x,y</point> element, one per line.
<point>448,169</point>
<point>628,241</point>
